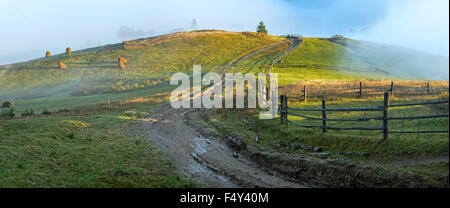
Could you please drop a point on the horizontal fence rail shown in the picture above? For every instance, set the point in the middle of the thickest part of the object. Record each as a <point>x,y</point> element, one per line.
<point>418,132</point>
<point>360,90</point>
<point>334,119</point>
<point>418,117</point>
<point>334,128</point>
<point>412,104</point>
<point>336,109</point>
<point>285,111</point>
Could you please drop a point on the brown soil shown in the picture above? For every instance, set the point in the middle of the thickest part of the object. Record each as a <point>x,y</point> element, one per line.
<point>206,160</point>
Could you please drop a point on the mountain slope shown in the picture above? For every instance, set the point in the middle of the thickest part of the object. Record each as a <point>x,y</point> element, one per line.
<point>152,60</point>
<point>367,59</point>
<point>148,59</point>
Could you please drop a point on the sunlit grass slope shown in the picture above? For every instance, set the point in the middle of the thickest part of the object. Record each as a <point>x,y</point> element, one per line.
<point>152,60</point>
<point>155,57</point>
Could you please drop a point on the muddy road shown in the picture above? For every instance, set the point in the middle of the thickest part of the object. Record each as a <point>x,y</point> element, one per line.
<point>205,160</point>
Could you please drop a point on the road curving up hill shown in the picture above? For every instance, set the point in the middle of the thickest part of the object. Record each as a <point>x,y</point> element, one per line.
<point>205,160</point>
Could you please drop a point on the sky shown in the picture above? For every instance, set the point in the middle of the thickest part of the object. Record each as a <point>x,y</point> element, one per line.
<point>28,28</point>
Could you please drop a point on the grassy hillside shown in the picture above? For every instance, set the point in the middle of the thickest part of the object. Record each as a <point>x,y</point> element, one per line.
<point>151,61</point>
<point>148,59</point>
<point>328,58</point>
<point>316,51</point>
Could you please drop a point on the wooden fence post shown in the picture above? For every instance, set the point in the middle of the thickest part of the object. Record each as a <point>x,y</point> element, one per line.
<point>392,88</point>
<point>324,115</point>
<point>360,89</point>
<point>286,110</point>
<point>304,94</point>
<point>281,109</point>
<point>386,116</point>
<point>428,88</point>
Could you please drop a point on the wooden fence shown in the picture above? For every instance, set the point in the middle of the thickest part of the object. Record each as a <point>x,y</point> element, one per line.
<point>285,111</point>
<point>361,91</point>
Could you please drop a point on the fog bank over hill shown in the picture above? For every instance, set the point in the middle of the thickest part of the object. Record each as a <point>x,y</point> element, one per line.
<point>417,24</point>
<point>404,62</point>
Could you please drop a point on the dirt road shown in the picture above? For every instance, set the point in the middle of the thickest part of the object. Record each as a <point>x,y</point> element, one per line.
<point>294,44</point>
<point>204,160</point>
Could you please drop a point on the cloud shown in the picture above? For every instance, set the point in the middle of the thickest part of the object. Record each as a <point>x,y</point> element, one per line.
<point>417,24</point>
<point>53,25</point>
<point>128,32</point>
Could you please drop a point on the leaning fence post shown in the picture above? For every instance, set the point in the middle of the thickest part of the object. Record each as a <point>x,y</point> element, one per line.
<point>392,88</point>
<point>428,88</point>
<point>360,89</point>
<point>304,93</point>
<point>324,115</point>
<point>386,116</point>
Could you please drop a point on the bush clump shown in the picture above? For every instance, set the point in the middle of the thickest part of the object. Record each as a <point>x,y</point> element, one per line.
<point>46,112</point>
<point>10,112</point>
<point>27,112</point>
<point>63,110</point>
<point>337,38</point>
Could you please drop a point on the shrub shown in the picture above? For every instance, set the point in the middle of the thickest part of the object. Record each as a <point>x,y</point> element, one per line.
<point>68,51</point>
<point>27,112</point>
<point>297,36</point>
<point>10,112</point>
<point>63,110</point>
<point>337,38</point>
<point>47,54</point>
<point>46,112</point>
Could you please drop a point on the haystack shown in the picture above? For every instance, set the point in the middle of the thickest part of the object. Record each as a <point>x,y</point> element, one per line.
<point>122,62</point>
<point>121,65</point>
<point>62,65</point>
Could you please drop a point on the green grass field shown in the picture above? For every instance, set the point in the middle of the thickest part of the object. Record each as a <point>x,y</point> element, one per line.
<point>414,152</point>
<point>88,144</point>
